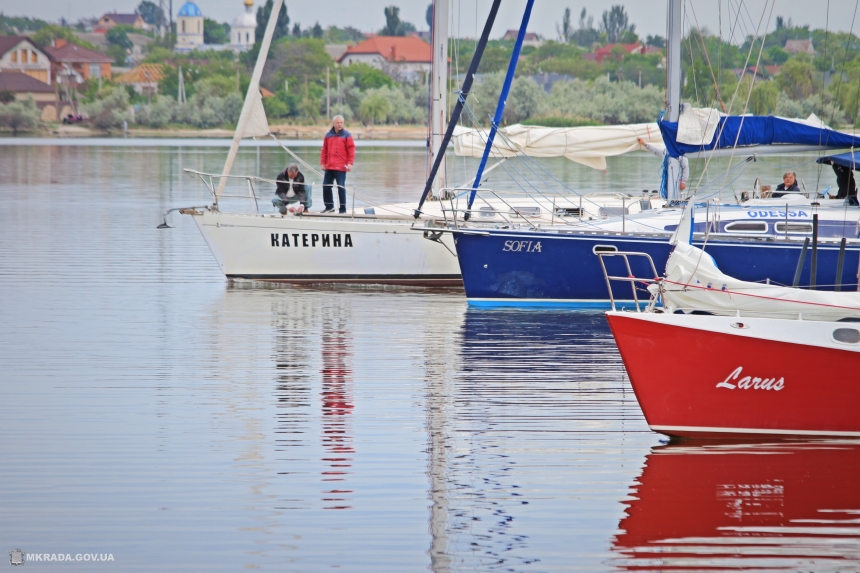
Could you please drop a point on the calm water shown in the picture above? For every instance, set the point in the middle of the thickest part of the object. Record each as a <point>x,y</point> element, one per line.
<point>156,413</point>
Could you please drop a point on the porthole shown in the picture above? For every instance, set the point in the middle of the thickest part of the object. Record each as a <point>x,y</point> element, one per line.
<point>847,335</point>
<point>604,249</point>
<point>747,227</point>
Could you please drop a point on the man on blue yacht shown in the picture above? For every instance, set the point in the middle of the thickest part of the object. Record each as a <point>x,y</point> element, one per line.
<point>789,184</point>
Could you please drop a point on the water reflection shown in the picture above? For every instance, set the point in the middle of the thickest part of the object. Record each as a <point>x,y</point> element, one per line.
<point>784,506</point>
<point>337,405</point>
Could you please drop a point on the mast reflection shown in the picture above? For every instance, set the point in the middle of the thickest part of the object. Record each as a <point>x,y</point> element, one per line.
<point>765,506</point>
<point>337,405</point>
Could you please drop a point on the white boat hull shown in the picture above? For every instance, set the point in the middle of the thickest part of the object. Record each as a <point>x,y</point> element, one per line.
<point>314,249</point>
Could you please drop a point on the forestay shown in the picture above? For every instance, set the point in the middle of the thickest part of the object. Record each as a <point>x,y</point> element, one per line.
<point>588,146</point>
<point>693,281</point>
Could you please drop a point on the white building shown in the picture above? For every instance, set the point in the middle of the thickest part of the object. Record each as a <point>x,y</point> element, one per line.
<point>243,28</point>
<point>401,57</point>
<point>189,28</point>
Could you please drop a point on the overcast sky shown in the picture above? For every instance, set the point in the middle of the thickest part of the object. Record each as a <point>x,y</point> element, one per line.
<point>367,15</point>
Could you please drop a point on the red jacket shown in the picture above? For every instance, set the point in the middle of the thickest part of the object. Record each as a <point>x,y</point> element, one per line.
<point>338,150</point>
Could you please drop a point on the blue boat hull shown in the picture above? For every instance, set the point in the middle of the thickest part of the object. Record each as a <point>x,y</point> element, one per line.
<point>514,268</point>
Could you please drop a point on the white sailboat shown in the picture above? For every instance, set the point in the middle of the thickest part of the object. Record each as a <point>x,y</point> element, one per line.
<point>383,244</point>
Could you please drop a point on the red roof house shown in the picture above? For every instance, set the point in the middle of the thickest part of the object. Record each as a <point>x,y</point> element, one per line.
<point>403,56</point>
<point>601,54</point>
<point>76,64</point>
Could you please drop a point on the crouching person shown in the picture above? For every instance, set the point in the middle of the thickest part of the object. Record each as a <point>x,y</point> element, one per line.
<point>291,190</point>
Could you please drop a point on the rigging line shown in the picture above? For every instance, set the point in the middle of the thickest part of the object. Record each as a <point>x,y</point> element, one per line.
<point>708,59</point>
<point>734,28</point>
<point>844,61</point>
<point>693,66</point>
<point>752,83</point>
<point>732,104</point>
<point>480,131</point>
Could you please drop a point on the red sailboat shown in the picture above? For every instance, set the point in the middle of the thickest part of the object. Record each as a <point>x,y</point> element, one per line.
<point>714,356</point>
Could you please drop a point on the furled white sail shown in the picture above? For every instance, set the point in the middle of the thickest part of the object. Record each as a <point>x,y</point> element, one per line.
<point>693,281</point>
<point>589,146</point>
<point>252,121</point>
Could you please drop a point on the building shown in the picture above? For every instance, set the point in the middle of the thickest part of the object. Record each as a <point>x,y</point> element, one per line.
<point>530,39</point>
<point>144,78</point>
<point>139,43</point>
<point>20,55</point>
<point>402,57</point>
<point>189,28</point>
<point>799,46</point>
<point>46,97</point>
<point>243,28</point>
<point>601,54</point>
<point>72,64</point>
<point>108,21</point>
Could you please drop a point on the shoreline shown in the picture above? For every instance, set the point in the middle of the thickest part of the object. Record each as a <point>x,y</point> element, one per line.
<point>291,132</point>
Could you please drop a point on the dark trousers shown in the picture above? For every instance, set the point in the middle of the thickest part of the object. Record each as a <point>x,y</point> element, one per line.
<point>339,177</point>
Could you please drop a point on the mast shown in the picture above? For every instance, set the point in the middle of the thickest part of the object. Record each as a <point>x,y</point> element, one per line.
<point>673,90</point>
<point>461,100</point>
<point>439,89</point>
<point>500,108</point>
<point>253,95</point>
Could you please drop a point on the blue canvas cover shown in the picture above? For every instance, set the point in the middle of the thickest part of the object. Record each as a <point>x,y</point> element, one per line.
<point>751,130</point>
<point>850,160</point>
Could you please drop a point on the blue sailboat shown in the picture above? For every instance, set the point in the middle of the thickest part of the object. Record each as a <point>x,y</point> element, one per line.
<point>559,266</point>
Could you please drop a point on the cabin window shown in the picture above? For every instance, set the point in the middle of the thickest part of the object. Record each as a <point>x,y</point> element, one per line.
<point>568,211</point>
<point>847,335</point>
<point>604,249</point>
<point>793,228</point>
<point>747,227</point>
<point>525,211</point>
<point>487,212</point>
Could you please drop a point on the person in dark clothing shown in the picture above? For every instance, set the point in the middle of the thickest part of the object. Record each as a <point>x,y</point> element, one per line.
<point>845,181</point>
<point>336,159</point>
<point>291,189</point>
<point>789,183</point>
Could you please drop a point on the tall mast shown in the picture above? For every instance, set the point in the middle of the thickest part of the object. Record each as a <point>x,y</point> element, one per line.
<point>439,89</point>
<point>500,107</point>
<point>253,95</point>
<point>673,90</point>
<point>461,101</point>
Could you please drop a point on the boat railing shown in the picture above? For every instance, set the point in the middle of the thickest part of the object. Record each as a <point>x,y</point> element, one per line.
<point>630,278</point>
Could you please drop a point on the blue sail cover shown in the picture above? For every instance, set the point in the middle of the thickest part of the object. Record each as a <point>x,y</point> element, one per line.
<point>850,160</point>
<point>745,131</point>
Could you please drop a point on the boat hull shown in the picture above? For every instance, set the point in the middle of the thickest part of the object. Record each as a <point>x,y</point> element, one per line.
<point>513,268</point>
<point>720,376</point>
<point>327,250</point>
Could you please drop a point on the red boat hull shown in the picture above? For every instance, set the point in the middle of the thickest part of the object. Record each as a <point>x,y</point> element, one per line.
<point>761,506</point>
<point>693,380</point>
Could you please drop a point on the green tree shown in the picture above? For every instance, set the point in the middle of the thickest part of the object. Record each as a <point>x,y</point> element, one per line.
<point>763,98</point>
<point>798,77</point>
<point>429,16</point>
<point>615,24</point>
<point>215,33</point>
<point>394,26</point>
<point>19,115</point>
<point>116,36</point>
<point>366,76</point>
<point>110,111</point>
<point>46,36</point>
<point>316,31</point>
<point>374,108</point>
<point>282,27</point>
<point>586,34</point>
<point>150,12</point>
<point>565,30</point>
<point>6,96</point>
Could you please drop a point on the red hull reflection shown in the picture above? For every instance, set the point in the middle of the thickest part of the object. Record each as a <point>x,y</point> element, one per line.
<point>767,507</point>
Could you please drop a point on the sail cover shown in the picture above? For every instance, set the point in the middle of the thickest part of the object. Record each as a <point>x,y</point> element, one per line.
<point>851,160</point>
<point>751,130</point>
<point>586,145</point>
<point>693,281</point>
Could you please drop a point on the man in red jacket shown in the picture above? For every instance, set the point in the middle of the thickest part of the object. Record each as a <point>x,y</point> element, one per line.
<point>337,158</point>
